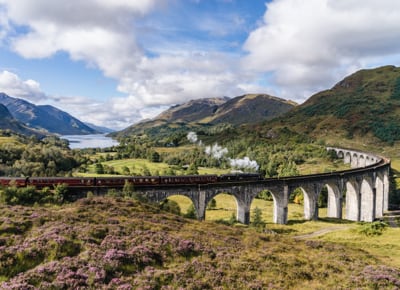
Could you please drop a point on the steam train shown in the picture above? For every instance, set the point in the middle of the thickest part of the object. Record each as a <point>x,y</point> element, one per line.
<point>80,182</point>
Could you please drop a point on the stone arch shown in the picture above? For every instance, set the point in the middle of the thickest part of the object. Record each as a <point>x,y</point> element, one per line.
<point>340,154</point>
<point>368,160</point>
<point>184,201</point>
<point>261,202</point>
<point>379,186</point>
<point>236,203</point>
<point>367,212</point>
<point>354,160</point>
<point>352,200</point>
<point>347,158</point>
<point>335,200</point>
<point>361,161</point>
<point>311,193</point>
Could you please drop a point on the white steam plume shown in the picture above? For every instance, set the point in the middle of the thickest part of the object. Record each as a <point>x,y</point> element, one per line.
<point>192,137</point>
<point>244,163</point>
<point>216,151</point>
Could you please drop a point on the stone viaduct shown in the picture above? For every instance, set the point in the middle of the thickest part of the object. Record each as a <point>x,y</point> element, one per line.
<point>364,189</point>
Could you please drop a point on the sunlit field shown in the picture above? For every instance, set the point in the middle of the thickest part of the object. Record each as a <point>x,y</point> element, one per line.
<point>139,166</point>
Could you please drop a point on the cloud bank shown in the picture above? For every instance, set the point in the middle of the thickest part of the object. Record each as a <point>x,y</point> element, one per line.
<point>309,45</point>
<point>159,57</point>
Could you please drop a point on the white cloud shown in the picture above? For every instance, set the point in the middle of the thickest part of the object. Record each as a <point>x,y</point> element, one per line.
<point>309,45</point>
<point>104,34</point>
<point>115,113</point>
<point>29,90</point>
<point>300,46</point>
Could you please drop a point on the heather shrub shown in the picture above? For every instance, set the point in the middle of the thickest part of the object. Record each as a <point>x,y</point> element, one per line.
<point>378,277</point>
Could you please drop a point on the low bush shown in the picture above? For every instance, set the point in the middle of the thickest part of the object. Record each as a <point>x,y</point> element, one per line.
<point>373,229</point>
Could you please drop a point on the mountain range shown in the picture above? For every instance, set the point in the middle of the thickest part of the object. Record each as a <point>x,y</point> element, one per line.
<point>364,106</point>
<point>8,122</point>
<point>246,109</point>
<point>42,119</point>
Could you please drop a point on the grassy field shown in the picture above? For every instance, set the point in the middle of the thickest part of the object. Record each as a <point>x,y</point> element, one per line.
<point>384,247</point>
<point>226,206</point>
<point>139,166</point>
<point>318,165</point>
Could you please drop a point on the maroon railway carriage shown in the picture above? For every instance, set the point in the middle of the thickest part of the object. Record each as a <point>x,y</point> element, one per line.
<point>10,181</point>
<point>120,181</point>
<point>81,182</point>
<point>41,182</point>
<point>188,179</point>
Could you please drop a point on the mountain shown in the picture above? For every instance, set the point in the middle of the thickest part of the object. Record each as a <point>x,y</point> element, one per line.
<point>248,109</point>
<point>45,118</point>
<point>364,105</point>
<point>99,129</point>
<point>8,122</point>
<point>192,111</point>
<point>207,112</point>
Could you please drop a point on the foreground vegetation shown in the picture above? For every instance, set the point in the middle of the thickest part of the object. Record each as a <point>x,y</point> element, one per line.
<point>116,243</point>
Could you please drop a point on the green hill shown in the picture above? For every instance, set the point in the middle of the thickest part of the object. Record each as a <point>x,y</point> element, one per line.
<point>364,105</point>
<point>203,114</point>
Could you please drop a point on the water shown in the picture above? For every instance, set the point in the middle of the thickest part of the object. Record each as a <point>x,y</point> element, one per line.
<point>89,141</point>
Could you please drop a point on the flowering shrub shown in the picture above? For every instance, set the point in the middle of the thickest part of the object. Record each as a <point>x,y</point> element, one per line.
<point>379,277</point>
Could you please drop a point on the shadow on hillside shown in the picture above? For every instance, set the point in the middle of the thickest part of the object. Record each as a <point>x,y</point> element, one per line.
<point>284,231</point>
<point>323,219</point>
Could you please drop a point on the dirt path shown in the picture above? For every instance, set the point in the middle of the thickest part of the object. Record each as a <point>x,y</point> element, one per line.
<point>322,232</point>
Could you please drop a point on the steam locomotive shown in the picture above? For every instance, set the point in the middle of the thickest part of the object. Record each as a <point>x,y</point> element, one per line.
<point>41,182</point>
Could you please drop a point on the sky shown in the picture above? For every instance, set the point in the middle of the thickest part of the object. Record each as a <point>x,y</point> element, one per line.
<point>114,63</point>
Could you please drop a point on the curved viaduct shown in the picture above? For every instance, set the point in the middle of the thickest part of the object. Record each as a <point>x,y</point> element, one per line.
<point>364,189</point>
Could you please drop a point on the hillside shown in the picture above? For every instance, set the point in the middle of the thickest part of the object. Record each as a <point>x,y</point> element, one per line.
<point>45,118</point>
<point>104,243</point>
<point>192,111</point>
<point>364,106</point>
<point>8,122</point>
<point>204,113</point>
<point>249,109</point>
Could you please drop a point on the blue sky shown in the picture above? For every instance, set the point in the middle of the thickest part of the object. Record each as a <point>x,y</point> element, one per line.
<point>114,63</point>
